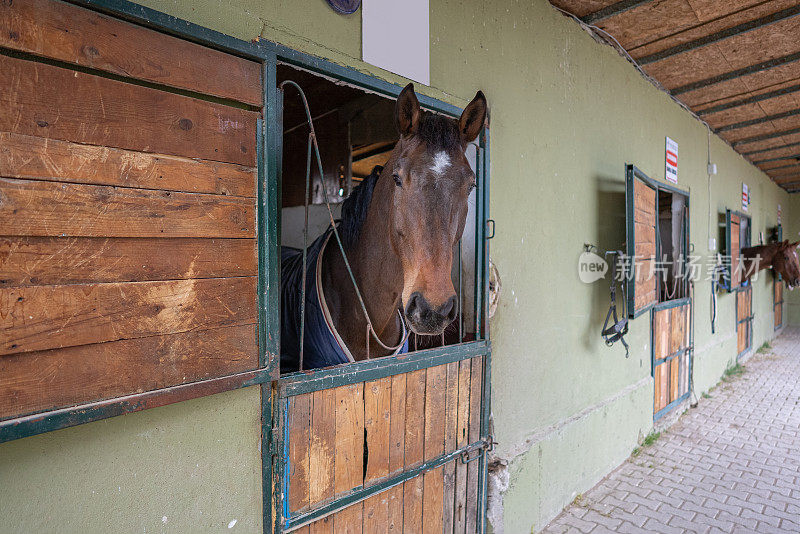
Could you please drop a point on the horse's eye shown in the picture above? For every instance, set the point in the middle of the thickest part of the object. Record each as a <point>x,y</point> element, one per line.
<point>397,181</point>
<point>472,186</point>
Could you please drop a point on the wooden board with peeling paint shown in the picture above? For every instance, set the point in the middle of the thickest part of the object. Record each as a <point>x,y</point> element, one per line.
<point>128,185</point>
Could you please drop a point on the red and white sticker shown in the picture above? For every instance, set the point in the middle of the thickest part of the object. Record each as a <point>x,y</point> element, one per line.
<point>745,196</point>
<point>671,161</point>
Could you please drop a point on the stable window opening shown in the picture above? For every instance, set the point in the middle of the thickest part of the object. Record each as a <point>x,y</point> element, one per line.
<point>356,133</point>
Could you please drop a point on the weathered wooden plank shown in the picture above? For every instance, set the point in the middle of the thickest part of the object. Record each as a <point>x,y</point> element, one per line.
<point>450,432</point>
<point>299,430</point>
<point>322,447</point>
<point>349,455</point>
<point>397,426</point>
<point>47,317</point>
<point>415,418</point>
<point>462,440</point>
<point>376,513</point>
<point>661,333</point>
<point>48,101</point>
<point>435,415</point>
<point>377,413</point>
<point>657,387</point>
<point>674,379</point>
<point>350,520</point>
<point>476,386</point>
<point>27,261</point>
<point>31,157</point>
<point>412,505</point>
<point>433,501</point>
<point>76,35</point>
<point>34,208</point>
<point>734,252</point>
<point>395,509</point>
<point>323,526</point>
<point>44,380</point>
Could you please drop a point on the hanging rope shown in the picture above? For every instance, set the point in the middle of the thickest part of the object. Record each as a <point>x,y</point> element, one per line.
<point>312,142</point>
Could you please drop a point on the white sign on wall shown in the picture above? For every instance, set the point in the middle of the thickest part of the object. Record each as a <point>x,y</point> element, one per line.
<point>395,35</point>
<point>671,161</point>
<point>745,196</point>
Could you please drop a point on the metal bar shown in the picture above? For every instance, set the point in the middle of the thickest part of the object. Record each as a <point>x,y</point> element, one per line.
<point>279,456</point>
<point>460,296</point>
<point>356,496</point>
<point>671,304</point>
<point>752,69</point>
<point>480,232</point>
<point>366,370</point>
<point>612,10</point>
<point>751,122</point>
<point>38,423</point>
<point>659,361</point>
<point>764,137</point>
<point>733,31</point>
<point>750,100</point>
<point>663,411</point>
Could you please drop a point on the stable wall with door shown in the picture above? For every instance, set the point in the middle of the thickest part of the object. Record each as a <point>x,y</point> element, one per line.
<point>567,114</point>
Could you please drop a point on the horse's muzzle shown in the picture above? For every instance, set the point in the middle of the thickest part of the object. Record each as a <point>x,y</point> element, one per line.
<point>424,319</point>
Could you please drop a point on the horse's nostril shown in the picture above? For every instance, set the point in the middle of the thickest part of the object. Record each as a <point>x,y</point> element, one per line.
<point>449,309</point>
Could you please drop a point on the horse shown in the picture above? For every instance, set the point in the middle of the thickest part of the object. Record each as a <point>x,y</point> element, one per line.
<point>397,229</point>
<point>781,257</point>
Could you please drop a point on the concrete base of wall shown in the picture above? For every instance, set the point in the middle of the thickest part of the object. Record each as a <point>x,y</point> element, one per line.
<point>553,465</point>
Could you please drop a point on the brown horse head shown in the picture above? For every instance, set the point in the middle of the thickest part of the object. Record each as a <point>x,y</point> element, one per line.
<point>786,264</point>
<point>428,209</point>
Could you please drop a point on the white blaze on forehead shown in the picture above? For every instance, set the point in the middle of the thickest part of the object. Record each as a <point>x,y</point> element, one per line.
<point>440,163</point>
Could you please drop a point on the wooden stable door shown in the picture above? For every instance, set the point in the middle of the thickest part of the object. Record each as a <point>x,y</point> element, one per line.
<point>744,319</point>
<point>672,355</point>
<point>777,303</point>
<point>128,256</point>
<point>382,455</point>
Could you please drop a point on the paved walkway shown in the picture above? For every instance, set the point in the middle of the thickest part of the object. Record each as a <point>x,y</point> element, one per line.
<point>730,465</point>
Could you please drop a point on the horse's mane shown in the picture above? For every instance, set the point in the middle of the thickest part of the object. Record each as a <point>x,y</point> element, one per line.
<point>436,131</point>
<point>355,206</point>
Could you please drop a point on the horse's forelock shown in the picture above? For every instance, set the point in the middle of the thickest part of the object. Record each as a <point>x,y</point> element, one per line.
<point>439,133</point>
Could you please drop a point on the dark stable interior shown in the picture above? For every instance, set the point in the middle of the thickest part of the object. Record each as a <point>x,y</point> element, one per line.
<point>671,270</point>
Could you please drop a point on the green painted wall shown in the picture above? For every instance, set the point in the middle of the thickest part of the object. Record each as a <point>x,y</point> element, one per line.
<point>567,114</point>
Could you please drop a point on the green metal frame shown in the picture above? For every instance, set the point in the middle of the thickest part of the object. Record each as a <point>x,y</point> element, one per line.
<point>727,284</point>
<point>634,173</point>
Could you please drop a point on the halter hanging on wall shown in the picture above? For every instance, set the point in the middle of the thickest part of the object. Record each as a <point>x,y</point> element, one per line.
<point>614,328</point>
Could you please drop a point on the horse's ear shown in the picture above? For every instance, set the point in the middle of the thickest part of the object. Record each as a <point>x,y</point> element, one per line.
<point>471,121</point>
<point>406,112</point>
<point>795,244</point>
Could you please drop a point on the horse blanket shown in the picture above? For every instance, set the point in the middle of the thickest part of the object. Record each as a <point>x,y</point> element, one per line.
<point>322,345</point>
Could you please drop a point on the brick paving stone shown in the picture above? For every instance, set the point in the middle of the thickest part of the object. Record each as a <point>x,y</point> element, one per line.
<point>729,465</point>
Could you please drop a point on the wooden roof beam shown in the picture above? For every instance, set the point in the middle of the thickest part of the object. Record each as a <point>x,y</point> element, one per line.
<point>769,149</point>
<point>750,100</point>
<point>738,73</point>
<point>743,124</point>
<point>793,165</point>
<point>614,9</point>
<point>763,137</point>
<point>781,158</point>
<point>721,35</point>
